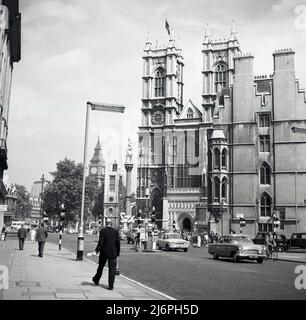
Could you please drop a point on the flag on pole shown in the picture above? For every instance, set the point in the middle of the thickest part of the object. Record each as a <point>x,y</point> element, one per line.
<point>167,26</point>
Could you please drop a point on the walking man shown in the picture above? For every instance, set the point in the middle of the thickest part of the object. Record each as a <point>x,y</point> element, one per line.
<point>41,236</point>
<point>4,232</point>
<point>109,248</point>
<point>22,235</point>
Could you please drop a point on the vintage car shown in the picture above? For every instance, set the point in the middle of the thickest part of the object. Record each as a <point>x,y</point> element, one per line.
<point>172,241</point>
<point>237,247</point>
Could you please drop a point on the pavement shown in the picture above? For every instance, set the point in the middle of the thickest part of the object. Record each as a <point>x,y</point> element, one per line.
<point>58,276</point>
<point>293,256</point>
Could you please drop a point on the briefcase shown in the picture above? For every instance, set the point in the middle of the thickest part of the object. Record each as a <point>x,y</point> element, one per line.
<point>117,271</point>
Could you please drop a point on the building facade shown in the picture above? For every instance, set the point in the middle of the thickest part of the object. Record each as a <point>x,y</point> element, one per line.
<point>113,194</point>
<point>239,154</point>
<point>10,42</point>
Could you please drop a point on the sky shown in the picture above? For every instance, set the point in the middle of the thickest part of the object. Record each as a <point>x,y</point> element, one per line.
<point>76,51</point>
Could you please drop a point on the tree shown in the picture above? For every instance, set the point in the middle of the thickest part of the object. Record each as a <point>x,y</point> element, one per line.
<point>23,205</point>
<point>98,208</point>
<point>66,188</point>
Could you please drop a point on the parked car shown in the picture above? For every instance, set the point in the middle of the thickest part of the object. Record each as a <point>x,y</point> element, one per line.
<point>280,240</point>
<point>130,235</point>
<point>238,247</point>
<point>89,231</point>
<point>297,240</point>
<point>11,232</point>
<point>172,241</point>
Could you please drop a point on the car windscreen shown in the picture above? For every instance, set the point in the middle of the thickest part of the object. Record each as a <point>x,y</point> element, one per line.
<point>174,236</point>
<point>240,239</point>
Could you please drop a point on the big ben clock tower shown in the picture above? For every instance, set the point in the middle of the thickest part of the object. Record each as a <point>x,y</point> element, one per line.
<point>97,165</point>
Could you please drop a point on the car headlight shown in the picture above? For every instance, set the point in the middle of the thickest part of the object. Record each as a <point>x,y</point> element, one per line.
<point>240,247</point>
<point>259,251</point>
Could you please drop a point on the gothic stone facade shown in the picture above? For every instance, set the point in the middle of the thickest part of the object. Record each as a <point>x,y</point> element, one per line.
<point>240,154</point>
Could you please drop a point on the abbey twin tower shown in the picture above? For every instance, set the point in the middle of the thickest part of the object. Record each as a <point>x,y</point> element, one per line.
<point>241,154</point>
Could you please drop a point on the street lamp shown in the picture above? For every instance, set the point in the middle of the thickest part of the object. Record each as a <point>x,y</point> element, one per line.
<point>106,107</point>
<point>147,194</point>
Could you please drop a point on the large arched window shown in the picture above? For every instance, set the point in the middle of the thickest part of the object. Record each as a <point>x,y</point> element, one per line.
<point>189,113</point>
<point>217,159</point>
<point>220,76</point>
<point>265,205</point>
<point>217,189</point>
<point>159,88</point>
<point>224,188</point>
<point>224,159</point>
<point>265,174</point>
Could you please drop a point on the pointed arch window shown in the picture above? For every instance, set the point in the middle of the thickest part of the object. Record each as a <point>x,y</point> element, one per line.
<point>160,83</point>
<point>209,160</point>
<point>217,159</point>
<point>265,174</point>
<point>190,114</point>
<point>217,189</point>
<point>264,143</point>
<point>224,188</point>
<point>224,159</point>
<point>220,76</point>
<point>265,205</point>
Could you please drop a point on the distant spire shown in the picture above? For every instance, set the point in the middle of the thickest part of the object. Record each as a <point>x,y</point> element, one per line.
<point>233,35</point>
<point>171,39</point>
<point>148,42</point>
<point>98,146</point>
<point>206,34</point>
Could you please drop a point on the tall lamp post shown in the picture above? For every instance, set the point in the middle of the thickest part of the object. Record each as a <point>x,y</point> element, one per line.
<point>147,194</point>
<point>106,107</point>
<point>43,180</point>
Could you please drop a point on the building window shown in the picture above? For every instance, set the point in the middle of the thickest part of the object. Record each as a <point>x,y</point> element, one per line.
<point>264,120</point>
<point>209,160</point>
<point>112,183</point>
<point>224,159</point>
<point>190,114</point>
<point>159,88</point>
<point>264,143</point>
<point>265,174</point>
<point>265,205</point>
<point>224,189</point>
<point>220,76</point>
<point>217,189</point>
<point>217,159</point>
<point>282,218</point>
<point>265,227</point>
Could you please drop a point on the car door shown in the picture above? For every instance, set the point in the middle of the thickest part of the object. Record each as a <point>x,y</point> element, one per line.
<point>294,240</point>
<point>303,240</point>
<point>220,246</point>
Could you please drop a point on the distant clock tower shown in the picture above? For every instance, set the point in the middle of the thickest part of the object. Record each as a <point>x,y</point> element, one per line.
<point>97,165</point>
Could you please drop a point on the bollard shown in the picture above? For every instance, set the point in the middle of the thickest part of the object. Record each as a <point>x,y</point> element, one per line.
<point>60,240</point>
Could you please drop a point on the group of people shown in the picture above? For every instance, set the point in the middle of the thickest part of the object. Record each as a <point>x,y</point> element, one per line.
<point>40,235</point>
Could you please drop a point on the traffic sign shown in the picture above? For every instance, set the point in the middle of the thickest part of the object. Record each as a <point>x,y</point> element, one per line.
<point>239,215</point>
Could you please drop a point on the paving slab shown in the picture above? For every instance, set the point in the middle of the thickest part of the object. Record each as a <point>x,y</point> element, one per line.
<point>58,276</point>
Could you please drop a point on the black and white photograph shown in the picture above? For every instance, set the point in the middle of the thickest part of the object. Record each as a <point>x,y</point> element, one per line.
<point>152,153</point>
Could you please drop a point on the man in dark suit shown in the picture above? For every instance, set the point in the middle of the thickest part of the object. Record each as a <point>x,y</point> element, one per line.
<point>41,236</point>
<point>22,235</point>
<point>109,248</point>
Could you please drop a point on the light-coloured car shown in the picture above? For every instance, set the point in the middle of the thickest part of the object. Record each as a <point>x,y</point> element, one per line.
<point>172,241</point>
<point>238,247</point>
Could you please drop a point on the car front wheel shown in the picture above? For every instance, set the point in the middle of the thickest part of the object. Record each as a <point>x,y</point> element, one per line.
<point>216,257</point>
<point>167,247</point>
<point>259,260</point>
<point>279,249</point>
<point>185,250</point>
<point>235,257</point>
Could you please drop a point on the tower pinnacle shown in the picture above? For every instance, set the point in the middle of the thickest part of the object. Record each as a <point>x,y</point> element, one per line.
<point>233,35</point>
<point>206,34</point>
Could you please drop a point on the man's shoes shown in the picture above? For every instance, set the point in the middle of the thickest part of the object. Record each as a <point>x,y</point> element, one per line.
<point>95,282</point>
<point>110,288</point>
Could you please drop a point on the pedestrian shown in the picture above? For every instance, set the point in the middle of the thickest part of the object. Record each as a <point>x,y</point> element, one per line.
<point>22,235</point>
<point>109,248</point>
<point>4,232</point>
<point>41,236</point>
<point>206,239</point>
<point>137,239</point>
<point>270,244</point>
<point>32,234</point>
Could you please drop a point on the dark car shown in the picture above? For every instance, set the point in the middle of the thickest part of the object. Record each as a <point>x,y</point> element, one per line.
<point>297,240</point>
<point>280,240</point>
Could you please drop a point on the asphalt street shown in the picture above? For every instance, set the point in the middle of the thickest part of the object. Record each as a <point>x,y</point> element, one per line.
<point>195,275</point>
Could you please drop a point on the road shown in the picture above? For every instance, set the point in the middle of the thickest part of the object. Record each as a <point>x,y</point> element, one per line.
<point>195,275</point>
